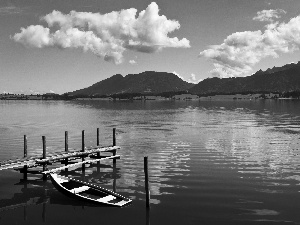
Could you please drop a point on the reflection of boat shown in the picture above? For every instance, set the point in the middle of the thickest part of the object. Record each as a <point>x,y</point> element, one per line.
<point>86,191</point>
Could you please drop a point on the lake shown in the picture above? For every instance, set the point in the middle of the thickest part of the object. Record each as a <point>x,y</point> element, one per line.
<point>210,162</point>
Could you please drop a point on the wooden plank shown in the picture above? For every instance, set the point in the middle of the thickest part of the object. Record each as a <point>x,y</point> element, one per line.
<point>77,154</point>
<point>80,163</point>
<point>59,153</point>
<point>31,171</point>
<point>16,165</point>
<point>34,161</point>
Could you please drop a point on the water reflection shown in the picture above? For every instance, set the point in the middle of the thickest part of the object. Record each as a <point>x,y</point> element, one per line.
<point>236,161</point>
<point>252,143</point>
<point>36,191</point>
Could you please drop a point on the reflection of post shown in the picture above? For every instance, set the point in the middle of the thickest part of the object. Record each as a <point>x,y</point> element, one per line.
<point>98,168</point>
<point>25,213</point>
<point>114,177</point>
<point>146,182</point>
<point>25,155</point>
<point>25,207</point>
<point>44,157</point>
<point>66,148</point>
<point>147,217</point>
<point>44,206</point>
<point>44,212</point>
<point>114,144</point>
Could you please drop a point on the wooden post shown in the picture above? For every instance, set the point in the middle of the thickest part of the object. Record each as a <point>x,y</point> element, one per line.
<point>146,182</point>
<point>82,149</point>
<point>98,143</point>
<point>82,143</point>
<point>44,156</point>
<point>25,172</point>
<point>44,147</point>
<point>25,146</point>
<point>98,153</point>
<point>25,155</point>
<point>66,142</point>
<point>66,148</point>
<point>114,144</point>
<point>114,136</point>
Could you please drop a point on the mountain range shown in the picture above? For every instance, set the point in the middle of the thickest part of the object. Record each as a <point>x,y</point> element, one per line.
<point>276,79</point>
<point>146,82</point>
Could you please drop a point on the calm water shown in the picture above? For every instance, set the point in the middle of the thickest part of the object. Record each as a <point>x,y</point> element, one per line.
<point>234,162</point>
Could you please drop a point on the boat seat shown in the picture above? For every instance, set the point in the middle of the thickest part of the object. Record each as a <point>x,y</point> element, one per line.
<point>121,203</point>
<point>61,180</point>
<point>80,189</point>
<point>106,198</point>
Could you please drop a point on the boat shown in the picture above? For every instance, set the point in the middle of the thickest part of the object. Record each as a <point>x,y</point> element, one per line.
<point>87,192</point>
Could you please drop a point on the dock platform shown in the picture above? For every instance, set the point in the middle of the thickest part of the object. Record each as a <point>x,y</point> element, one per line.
<point>66,157</point>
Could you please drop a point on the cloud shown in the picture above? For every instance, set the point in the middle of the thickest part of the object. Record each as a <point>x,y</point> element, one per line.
<point>132,62</point>
<point>242,50</point>
<point>9,10</point>
<point>191,79</point>
<point>268,15</point>
<point>107,35</point>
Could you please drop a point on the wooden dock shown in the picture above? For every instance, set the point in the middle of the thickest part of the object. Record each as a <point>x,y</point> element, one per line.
<point>66,157</point>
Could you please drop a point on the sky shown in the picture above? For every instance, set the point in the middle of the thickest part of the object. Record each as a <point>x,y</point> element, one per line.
<point>62,46</point>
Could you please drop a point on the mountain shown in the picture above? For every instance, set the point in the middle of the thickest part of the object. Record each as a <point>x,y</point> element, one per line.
<point>146,82</point>
<point>277,79</point>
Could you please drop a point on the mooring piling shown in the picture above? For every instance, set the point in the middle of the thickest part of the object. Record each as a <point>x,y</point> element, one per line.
<point>25,146</point>
<point>44,156</point>
<point>66,141</point>
<point>98,154</point>
<point>98,142</point>
<point>147,182</point>
<point>66,148</point>
<point>114,136</point>
<point>82,141</point>
<point>25,155</point>
<point>114,144</point>
<point>82,149</point>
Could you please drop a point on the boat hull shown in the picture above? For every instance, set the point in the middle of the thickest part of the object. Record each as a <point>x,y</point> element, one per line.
<point>87,192</point>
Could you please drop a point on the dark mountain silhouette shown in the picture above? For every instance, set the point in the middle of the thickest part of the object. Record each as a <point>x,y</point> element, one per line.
<point>146,82</point>
<point>277,79</point>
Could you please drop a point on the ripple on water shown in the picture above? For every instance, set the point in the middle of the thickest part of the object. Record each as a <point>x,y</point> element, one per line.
<point>227,161</point>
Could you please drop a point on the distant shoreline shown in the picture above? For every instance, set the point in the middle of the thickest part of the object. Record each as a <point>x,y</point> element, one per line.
<point>135,97</point>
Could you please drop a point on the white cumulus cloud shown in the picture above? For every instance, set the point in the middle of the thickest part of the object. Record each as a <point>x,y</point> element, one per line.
<point>132,62</point>
<point>106,35</point>
<point>269,15</point>
<point>240,51</point>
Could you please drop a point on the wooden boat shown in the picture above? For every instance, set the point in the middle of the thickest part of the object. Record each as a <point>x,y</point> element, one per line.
<point>87,191</point>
